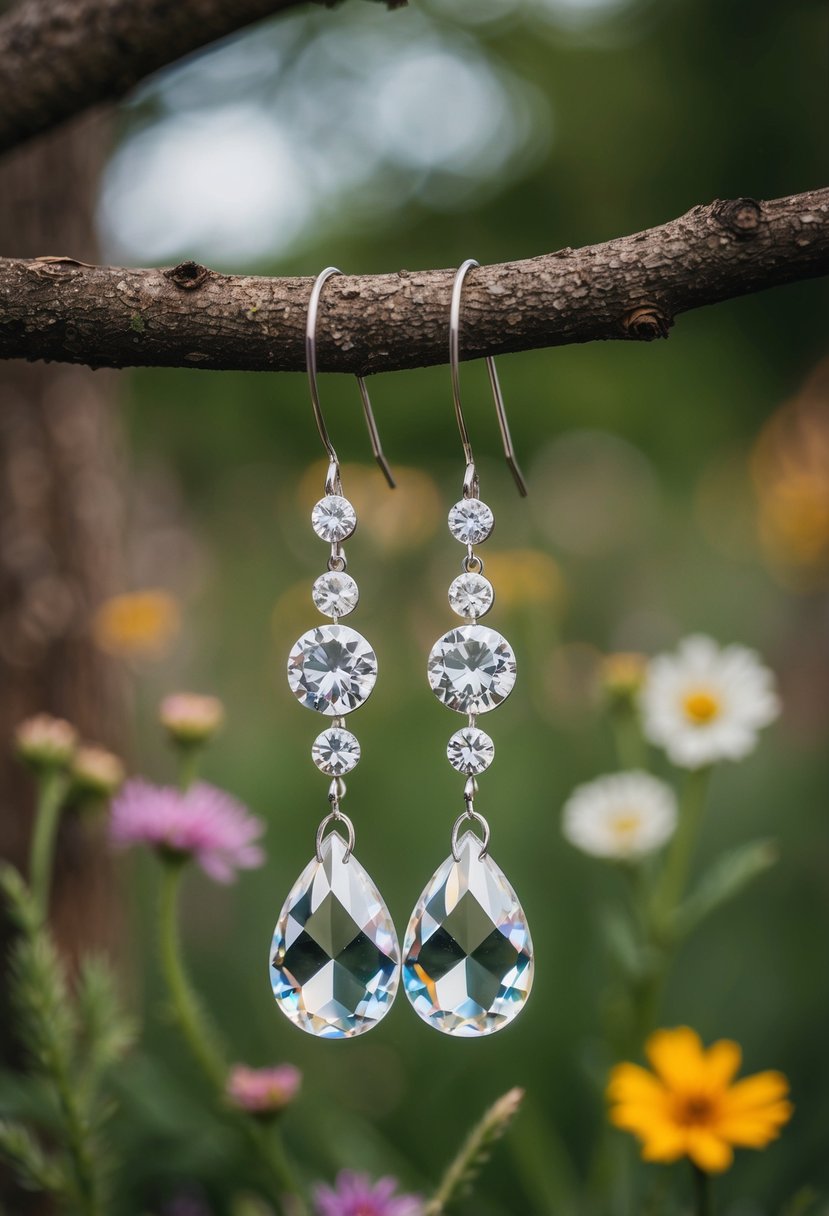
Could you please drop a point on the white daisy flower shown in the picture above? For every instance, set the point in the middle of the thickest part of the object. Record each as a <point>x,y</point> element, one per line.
<point>621,816</point>
<point>706,703</point>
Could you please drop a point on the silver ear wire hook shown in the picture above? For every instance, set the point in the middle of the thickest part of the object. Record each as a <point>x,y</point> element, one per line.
<point>470,481</point>
<point>333,484</point>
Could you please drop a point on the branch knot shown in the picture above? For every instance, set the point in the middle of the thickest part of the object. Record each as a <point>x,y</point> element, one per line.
<point>740,216</point>
<point>187,275</point>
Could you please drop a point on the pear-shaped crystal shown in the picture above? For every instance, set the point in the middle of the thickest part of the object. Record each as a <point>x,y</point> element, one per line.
<point>468,955</point>
<point>335,958</point>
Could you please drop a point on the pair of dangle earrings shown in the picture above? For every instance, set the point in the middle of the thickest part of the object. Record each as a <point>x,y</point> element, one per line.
<point>467,957</point>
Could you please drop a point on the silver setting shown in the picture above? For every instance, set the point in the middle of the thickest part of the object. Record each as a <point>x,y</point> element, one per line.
<point>463,821</point>
<point>336,819</point>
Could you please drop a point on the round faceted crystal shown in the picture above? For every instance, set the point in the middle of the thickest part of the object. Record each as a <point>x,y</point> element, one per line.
<point>471,521</point>
<point>336,751</point>
<point>333,518</point>
<point>470,750</point>
<point>332,669</point>
<point>471,669</point>
<point>471,595</point>
<point>335,959</point>
<point>335,593</point>
<point>468,955</point>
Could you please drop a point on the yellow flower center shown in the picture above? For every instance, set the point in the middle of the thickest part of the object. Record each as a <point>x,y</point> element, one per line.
<point>701,706</point>
<point>625,824</point>
<point>694,1110</point>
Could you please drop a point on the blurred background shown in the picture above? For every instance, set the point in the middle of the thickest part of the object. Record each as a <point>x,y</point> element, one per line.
<point>674,487</point>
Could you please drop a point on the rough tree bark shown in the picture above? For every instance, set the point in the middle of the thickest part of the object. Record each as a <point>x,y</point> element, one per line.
<point>628,288</point>
<point>58,57</point>
<point>59,529</point>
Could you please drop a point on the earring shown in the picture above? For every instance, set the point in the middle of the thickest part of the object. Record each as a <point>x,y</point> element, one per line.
<point>335,957</point>
<point>467,954</point>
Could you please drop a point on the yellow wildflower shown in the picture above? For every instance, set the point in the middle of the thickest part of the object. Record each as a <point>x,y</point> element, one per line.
<point>137,624</point>
<point>524,576</point>
<point>691,1106</point>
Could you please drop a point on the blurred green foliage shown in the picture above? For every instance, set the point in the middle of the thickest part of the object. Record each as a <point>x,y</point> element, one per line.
<point>641,493</point>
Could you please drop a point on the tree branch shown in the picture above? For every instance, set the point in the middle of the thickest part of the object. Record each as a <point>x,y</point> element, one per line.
<point>59,57</point>
<point>629,288</point>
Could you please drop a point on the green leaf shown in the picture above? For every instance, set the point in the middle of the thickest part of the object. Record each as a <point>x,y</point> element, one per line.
<point>34,1169</point>
<point>105,1034</point>
<point>729,875</point>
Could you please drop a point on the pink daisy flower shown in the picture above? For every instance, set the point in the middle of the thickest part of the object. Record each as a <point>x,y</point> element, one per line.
<point>356,1195</point>
<point>263,1091</point>
<point>204,823</point>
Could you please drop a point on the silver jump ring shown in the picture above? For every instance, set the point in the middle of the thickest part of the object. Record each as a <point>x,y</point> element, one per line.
<point>336,819</point>
<point>482,824</point>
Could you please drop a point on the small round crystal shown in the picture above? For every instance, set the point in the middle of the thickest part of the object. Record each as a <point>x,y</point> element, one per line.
<point>471,595</point>
<point>333,518</point>
<point>471,669</point>
<point>332,669</point>
<point>471,521</point>
<point>470,750</point>
<point>336,751</point>
<point>335,593</point>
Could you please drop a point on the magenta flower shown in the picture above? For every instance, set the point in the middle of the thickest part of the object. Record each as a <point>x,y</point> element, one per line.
<point>356,1195</point>
<point>204,823</point>
<point>263,1091</point>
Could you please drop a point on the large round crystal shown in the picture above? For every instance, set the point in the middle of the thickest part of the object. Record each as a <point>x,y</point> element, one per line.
<point>471,669</point>
<point>332,669</point>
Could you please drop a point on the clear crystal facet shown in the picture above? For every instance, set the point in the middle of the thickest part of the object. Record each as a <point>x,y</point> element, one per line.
<point>332,669</point>
<point>471,669</point>
<point>468,955</point>
<point>335,593</point>
<point>470,750</point>
<point>335,958</point>
<point>333,518</point>
<point>336,751</point>
<point>471,521</point>
<point>471,595</point>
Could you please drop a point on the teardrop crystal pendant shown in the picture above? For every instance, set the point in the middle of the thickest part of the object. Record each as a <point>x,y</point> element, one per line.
<point>468,955</point>
<point>335,957</point>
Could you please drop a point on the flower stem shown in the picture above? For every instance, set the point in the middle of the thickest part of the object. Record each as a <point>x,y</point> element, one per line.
<point>627,735</point>
<point>203,1043</point>
<point>189,755</point>
<point>671,887</point>
<point>185,1005</point>
<point>51,793</point>
<point>703,1205</point>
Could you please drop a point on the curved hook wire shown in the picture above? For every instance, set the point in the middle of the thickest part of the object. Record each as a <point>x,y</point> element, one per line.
<point>470,482</point>
<point>333,484</point>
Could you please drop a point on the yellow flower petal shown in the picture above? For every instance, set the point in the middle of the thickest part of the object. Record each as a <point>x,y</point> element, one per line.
<point>758,1128</point>
<point>722,1063</point>
<point>755,1092</point>
<point>677,1057</point>
<point>641,1120</point>
<point>667,1143</point>
<point>708,1150</point>
<point>631,1083</point>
